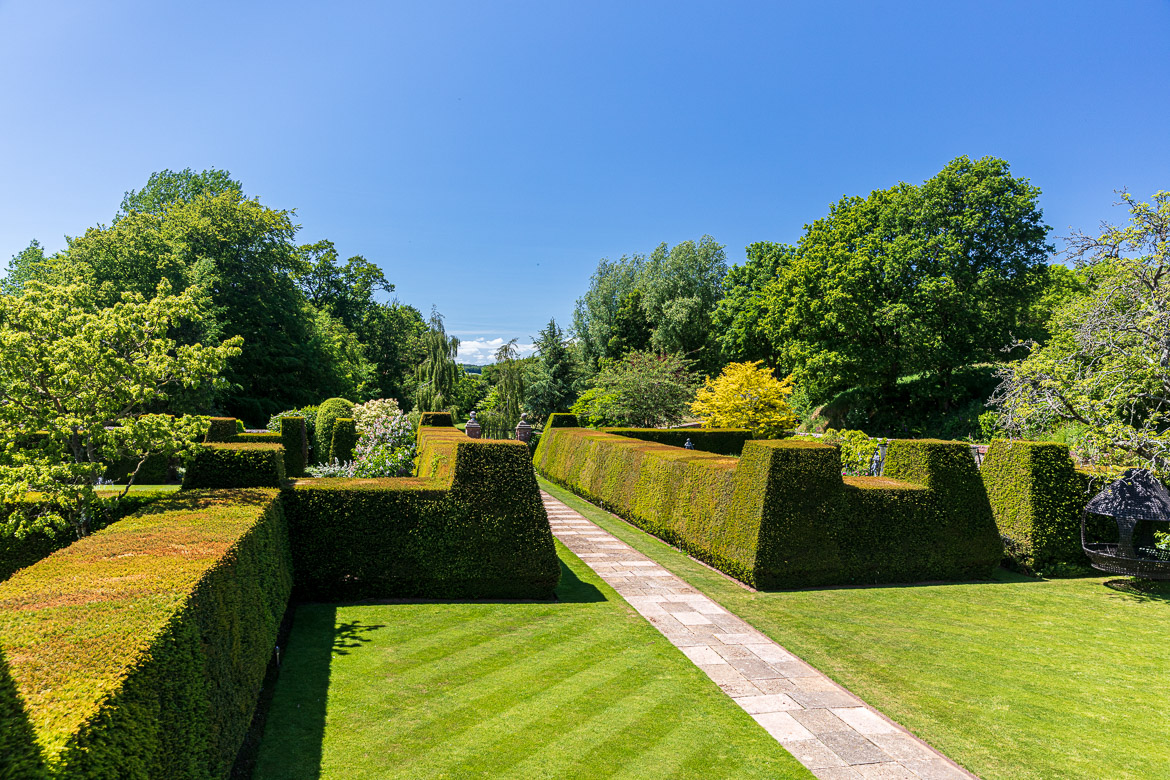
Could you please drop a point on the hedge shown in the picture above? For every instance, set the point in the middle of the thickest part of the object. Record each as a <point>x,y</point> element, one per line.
<point>561,420</point>
<point>155,471</point>
<point>782,516</point>
<point>436,420</point>
<point>1037,496</point>
<point>23,542</point>
<point>327,415</point>
<point>236,465</point>
<point>139,651</point>
<point>471,526</point>
<point>221,429</point>
<point>292,437</point>
<point>721,441</point>
<point>344,439</point>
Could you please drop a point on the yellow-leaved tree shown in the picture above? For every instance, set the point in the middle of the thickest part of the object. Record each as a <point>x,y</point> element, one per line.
<point>746,395</point>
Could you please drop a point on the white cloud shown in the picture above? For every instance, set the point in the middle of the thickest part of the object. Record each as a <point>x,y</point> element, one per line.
<point>481,352</point>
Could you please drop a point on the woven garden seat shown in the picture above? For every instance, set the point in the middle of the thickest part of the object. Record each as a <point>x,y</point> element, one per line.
<point>1137,497</point>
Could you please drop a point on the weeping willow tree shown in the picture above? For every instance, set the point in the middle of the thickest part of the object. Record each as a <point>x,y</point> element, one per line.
<point>438,373</point>
<point>501,410</point>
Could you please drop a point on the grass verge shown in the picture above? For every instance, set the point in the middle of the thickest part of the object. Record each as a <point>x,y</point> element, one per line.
<point>582,687</point>
<point>1014,678</point>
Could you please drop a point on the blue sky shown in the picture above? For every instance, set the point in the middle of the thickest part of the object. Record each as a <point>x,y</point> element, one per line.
<point>486,155</point>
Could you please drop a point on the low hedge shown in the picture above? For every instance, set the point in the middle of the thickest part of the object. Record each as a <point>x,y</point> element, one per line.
<point>23,541</point>
<point>1037,496</point>
<point>139,651</point>
<point>292,437</point>
<point>782,516</point>
<point>344,439</point>
<point>436,420</point>
<point>327,415</point>
<point>236,465</point>
<point>221,429</point>
<point>721,441</point>
<point>471,526</point>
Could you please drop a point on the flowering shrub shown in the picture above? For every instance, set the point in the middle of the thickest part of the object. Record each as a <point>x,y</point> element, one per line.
<point>385,446</point>
<point>334,468</point>
<point>385,440</point>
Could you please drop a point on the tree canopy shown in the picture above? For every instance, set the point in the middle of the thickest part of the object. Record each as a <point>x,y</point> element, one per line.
<point>910,279</point>
<point>1106,368</point>
<point>312,325</point>
<point>76,379</point>
<point>663,302</point>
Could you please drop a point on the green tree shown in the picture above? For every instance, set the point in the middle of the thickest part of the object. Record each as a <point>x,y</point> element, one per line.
<point>645,389</point>
<point>394,336</point>
<point>681,286</point>
<point>76,377</point>
<point>166,187</point>
<point>1106,368</point>
<point>596,314</point>
<point>346,290</point>
<point>438,374</point>
<point>664,301</point>
<point>32,263</point>
<point>738,320</point>
<point>911,279</point>
<point>552,379</point>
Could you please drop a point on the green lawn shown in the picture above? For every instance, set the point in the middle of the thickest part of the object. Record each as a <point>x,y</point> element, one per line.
<point>1013,678</point>
<point>109,490</point>
<point>583,687</point>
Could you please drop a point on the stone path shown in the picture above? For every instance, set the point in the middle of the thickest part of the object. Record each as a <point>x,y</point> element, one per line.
<point>825,727</point>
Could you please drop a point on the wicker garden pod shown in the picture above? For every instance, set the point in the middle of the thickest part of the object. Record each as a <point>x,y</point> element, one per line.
<point>1136,497</point>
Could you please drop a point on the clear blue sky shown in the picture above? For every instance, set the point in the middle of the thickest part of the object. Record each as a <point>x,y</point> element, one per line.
<point>486,155</point>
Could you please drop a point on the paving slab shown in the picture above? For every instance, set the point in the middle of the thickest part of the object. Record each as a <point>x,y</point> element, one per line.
<point>825,727</point>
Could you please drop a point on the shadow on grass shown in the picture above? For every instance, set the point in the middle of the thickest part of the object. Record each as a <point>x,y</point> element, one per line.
<point>573,590</point>
<point>347,636</point>
<point>1141,590</point>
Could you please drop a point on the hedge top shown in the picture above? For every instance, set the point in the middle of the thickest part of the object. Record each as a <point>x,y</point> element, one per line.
<point>436,420</point>
<point>91,609</point>
<point>561,420</point>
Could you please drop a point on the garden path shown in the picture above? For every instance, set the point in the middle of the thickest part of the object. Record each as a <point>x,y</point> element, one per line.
<point>828,729</point>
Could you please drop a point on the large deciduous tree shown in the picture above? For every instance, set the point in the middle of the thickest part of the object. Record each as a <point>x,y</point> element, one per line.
<point>663,302</point>
<point>738,320</point>
<point>74,380</point>
<point>911,279</point>
<point>1107,365</point>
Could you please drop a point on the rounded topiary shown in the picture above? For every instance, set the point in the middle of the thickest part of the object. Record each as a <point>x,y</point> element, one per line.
<point>327,415</point>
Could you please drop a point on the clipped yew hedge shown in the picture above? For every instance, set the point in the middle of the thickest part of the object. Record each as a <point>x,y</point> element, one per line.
<point>1037,496</point>
<point>344,439</point>
<point>782,516</point>
<point>23,541</point>
<point>721,441</point>
<point>436,420</point>
<point>328,413</point>
<point>293,437</point>
<point>472,525</point>
<point>221,429</point>
<point>139,651</point>
<point>561,420</point>
<point>236,465</point>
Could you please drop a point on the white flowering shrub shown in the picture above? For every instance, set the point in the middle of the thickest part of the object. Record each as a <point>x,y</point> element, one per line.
<point>386,445</point>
